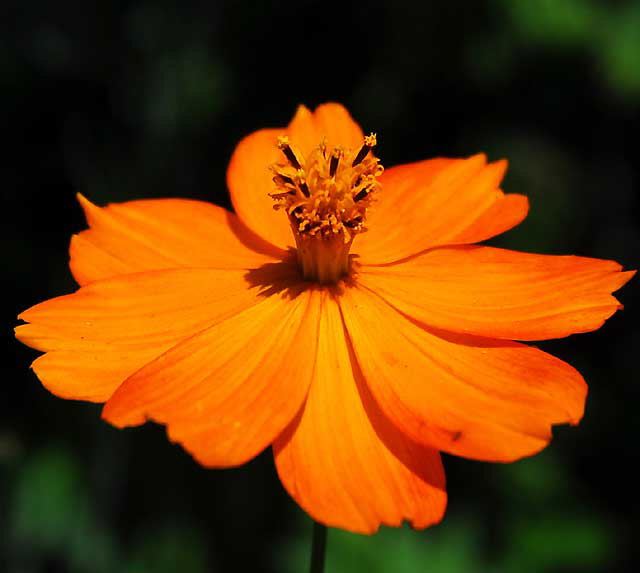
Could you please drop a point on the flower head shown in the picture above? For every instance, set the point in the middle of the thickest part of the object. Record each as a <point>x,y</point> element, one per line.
<point>355,328</point>
<point>326,197</point>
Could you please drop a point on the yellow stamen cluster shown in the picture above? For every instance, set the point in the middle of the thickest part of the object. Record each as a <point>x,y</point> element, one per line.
<point>326,196</point>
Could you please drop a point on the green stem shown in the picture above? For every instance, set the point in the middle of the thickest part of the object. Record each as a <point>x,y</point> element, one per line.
<point>318,547</point>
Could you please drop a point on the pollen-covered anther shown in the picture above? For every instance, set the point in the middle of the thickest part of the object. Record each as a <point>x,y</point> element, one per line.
<point>370,142</point>
<point>289,153</point>
<point>326,195</point>
<point>335,159</point>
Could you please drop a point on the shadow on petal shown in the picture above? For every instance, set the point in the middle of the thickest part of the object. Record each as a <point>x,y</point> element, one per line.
<point>280,278</point>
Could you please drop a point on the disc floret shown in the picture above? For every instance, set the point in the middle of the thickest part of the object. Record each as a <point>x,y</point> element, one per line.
<point>326,196</point>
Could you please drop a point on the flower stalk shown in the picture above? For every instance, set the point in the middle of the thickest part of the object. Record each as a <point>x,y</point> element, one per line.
<point>318,548</point>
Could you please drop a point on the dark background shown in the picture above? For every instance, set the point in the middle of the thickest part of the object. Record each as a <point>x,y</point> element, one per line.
<point>124,100</point>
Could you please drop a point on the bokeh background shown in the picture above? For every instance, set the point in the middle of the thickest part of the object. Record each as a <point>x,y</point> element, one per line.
<point>135,99</point>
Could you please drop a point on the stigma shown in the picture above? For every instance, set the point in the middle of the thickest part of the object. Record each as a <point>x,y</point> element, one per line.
<point>325,196</point>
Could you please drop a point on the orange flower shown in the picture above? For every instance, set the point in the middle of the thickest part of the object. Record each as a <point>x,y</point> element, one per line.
<point>357,356</point>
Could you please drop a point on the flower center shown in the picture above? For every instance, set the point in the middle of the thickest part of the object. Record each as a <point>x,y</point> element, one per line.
<point>326,196</point>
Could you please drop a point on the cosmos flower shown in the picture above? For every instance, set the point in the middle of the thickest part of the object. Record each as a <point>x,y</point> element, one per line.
<point>342,316</point>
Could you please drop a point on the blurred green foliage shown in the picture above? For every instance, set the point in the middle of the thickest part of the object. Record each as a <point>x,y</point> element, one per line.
<point>182,87</point>
<point>608,32</point>
<point>53,519</point>
<point>534,541</point>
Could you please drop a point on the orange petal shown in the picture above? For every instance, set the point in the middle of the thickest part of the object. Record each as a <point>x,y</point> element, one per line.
<point>330,121</point>
<point>473,397</point>
<point>500,293</point>
<point>250,179</point>
<point>227,392</point>
<point>159,234</point>
<point>343,462</point>
<point>100,335</point>
<point>438,202</point>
